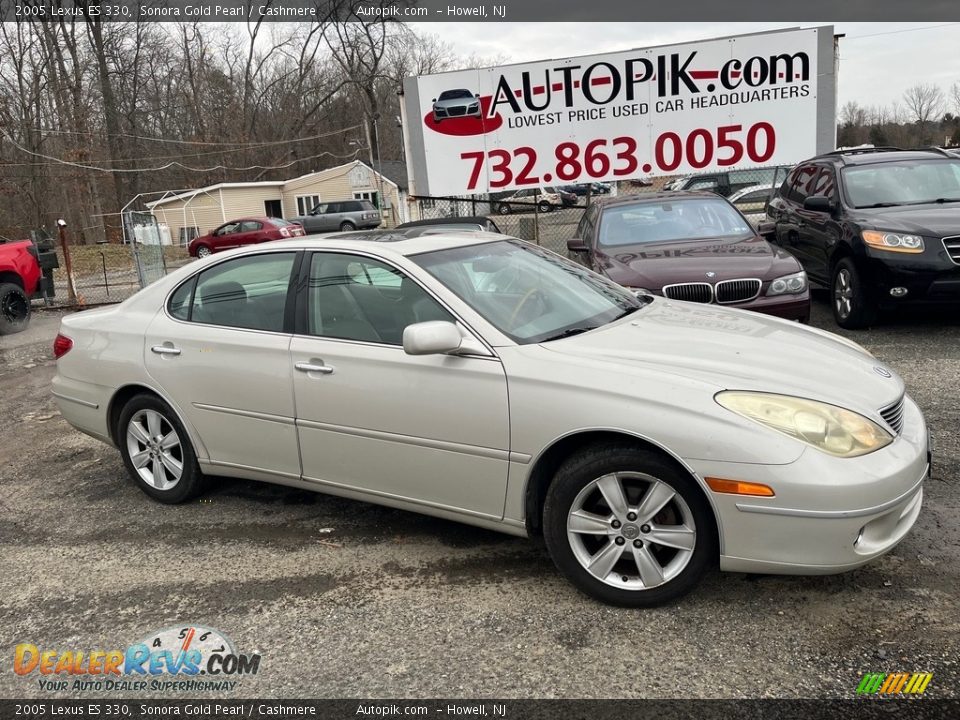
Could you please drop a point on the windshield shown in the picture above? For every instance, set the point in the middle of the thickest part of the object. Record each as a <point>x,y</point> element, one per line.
<point>910,182</point>
<point>671,220</point>
<point>528,294</point>
<point>455,94</point>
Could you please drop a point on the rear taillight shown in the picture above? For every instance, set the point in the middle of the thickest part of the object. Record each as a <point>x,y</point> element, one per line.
<point>62,345</point>
<point>284,232</point>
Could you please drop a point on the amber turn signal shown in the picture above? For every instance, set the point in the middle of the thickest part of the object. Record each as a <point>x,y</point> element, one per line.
<point>739,487</point>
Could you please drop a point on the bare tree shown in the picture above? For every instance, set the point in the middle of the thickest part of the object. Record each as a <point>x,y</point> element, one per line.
<point>925,102</point>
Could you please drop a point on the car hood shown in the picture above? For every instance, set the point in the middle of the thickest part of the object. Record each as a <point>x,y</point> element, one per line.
<point>456,102</point>
<point>653,265</point>
<point>729,349</point>
<point>929,219</point>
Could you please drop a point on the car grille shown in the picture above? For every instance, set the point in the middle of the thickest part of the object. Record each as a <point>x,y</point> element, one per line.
<point>460,110</point>
<point>734,291</point>
<point>952,245</point>
<point>893,416</point>
<point>691,292</point>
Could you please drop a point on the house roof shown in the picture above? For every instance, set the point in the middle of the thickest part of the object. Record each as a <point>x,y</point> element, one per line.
<point>187,194</point>
<point>393,172</point>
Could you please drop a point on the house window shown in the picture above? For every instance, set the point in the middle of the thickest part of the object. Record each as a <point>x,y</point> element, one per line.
<point>306,203</point>
<point>372,195</point>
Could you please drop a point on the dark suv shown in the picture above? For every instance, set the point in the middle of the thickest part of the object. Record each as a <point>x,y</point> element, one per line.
<point>879,226</point>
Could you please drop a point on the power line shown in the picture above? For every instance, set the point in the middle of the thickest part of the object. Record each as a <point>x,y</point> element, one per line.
<point>897,32</point>
<point>190,142</point>
<point>88,163</point>
<point>167,166</point>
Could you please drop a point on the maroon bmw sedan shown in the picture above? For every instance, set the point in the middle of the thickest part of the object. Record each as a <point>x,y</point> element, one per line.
<point>692,246</point>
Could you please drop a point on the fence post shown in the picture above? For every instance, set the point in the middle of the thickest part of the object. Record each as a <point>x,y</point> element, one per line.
<point>67,263</point>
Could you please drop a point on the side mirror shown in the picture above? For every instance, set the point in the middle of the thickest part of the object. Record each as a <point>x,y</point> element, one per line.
<point>818,203</point>
<point>477,96</point>
<point>766,229</point>
<point>436,337</point>
<point>434,100</point>
<point>577,245</point>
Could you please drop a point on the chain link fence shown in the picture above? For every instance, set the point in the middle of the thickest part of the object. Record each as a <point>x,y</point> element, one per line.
<point>111,272</point>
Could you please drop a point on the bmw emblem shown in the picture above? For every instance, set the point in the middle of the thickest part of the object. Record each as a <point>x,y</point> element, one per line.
<point>711,274</point>
<point>882,372</point>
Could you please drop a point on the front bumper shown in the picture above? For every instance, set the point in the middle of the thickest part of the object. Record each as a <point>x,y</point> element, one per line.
<point>829,514</point>
<point>926,281</point>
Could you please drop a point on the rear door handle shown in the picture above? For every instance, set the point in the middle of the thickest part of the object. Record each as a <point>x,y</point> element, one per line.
<point>314,367</point>
<point>165,350</point>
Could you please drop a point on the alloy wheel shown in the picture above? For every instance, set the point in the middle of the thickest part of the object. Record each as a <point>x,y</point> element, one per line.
<point>843,293</point>
<point>15,307</point>
<point>631,530</point>
<point>155,449</point>
<point>203,252</point>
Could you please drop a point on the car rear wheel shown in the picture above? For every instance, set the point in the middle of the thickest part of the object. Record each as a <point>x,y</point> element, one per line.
<point>627,527</point>
<point>503,209</point>
<point>203,251</point>
<point>853,307</point>
<point>544,206</point>
<point>157,451</point>
<point>14,309</point>
<point>347,226</point>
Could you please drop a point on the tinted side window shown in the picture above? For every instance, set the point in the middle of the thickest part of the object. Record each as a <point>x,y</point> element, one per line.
<point>250,226</point>
<point>248,292</point>
<point>801,183</point>
<point>826,184</point>
<point>351,297</point>
<point>179,305</point>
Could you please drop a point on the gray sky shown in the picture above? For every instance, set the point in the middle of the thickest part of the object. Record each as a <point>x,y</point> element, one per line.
<point>878,61</point>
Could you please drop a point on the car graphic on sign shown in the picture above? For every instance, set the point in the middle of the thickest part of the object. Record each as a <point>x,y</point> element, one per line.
<point>456,103</point>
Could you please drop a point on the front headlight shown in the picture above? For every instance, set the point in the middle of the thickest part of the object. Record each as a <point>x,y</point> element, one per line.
<point>894,242</point>
<point>829,428</point>
<point>788,284</point>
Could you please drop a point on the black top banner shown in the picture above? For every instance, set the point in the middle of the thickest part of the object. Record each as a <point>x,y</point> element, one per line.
<point>321,11</point>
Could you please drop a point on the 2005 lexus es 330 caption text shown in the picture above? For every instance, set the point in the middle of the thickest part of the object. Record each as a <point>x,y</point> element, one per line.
<point>478,378</point>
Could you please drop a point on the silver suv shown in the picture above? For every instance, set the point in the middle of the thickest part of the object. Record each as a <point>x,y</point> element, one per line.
<point>342,215</point>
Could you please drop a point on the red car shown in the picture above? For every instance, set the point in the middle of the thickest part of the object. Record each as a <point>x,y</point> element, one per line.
<point>19,280</point>
<point>245,231</point>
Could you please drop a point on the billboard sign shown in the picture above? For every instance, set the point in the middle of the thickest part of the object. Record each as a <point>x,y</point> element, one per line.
<point>750,100</point>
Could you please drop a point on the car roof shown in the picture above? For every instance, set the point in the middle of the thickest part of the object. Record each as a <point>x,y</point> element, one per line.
<point>387,242</point>
<point>656,197</point>
<point>871,156</point>
<point>478,219</point>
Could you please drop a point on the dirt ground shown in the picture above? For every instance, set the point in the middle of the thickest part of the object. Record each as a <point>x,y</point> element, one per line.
<point>345,599</point>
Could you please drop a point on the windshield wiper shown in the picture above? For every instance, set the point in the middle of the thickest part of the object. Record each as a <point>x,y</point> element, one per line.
<point>569,332</point>
<point>936,201</point>
<point>878,205</point>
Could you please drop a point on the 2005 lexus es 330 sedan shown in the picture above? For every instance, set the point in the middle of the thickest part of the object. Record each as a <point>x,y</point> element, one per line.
<point>478,378</point>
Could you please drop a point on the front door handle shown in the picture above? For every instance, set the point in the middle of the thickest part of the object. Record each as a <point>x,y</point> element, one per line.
<point>314,367</point>
<point>165,350</point>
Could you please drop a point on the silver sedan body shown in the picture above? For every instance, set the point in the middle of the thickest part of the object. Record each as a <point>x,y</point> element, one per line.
<point>611,439</point>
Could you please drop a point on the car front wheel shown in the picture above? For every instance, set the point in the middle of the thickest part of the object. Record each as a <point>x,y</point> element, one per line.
<point>851,303</point>
<point>627,527</point>
<point>203,251</point>
<point>157,451</point>
<point>503,209</point>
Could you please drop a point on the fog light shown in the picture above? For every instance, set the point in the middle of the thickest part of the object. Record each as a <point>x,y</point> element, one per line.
<point>898,292</point>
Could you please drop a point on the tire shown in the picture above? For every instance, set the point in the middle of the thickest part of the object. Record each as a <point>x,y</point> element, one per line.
<point>503,209</point>
<point>154,418</point>
<point>669,571</point>
<point>204,251</point>
<point>544,206</point>
<point>852,304</point>
<point>14,309</point>
<point>347,227</point>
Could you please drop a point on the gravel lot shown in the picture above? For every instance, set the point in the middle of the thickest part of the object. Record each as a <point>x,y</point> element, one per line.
<point>345,599</point>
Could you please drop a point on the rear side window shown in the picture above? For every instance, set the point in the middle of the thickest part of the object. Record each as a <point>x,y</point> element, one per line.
<point>179,305</point>
<point>801,183</point>
<point>249,292</point>
<point>250,226</point>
